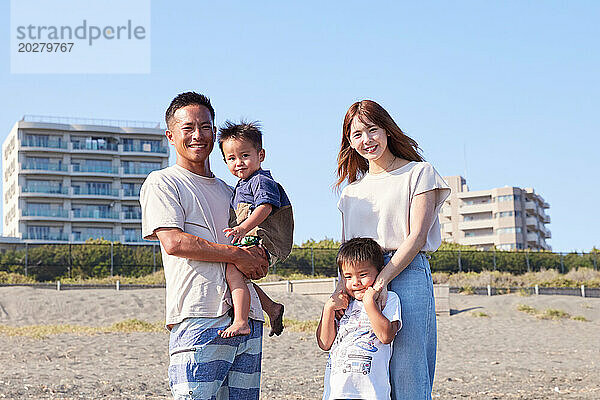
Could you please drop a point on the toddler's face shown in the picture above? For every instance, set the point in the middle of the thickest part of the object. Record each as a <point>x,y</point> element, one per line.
<point>359,277</point>
<point>242,158</point>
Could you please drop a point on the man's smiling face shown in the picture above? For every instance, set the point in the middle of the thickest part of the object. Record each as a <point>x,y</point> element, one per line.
<point>192,132</point>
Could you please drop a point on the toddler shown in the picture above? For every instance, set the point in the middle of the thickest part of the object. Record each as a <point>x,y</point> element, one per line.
<point>261,215</point>
<point>360,343</point>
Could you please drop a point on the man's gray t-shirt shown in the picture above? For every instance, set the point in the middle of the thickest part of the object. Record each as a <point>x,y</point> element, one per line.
<point>177,198</point>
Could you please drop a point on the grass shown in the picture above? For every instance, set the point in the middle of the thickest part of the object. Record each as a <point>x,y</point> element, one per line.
<point>580,318</point>
<point>527,309</point>
<point>43,331</point>
<point>466,290</point>
<point>552,313</point>
<point>479,314</point>
<point>127,326</point>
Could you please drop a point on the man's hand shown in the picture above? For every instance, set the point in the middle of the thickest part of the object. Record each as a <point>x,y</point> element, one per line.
<point>253,264</point>
<point>236,233</point>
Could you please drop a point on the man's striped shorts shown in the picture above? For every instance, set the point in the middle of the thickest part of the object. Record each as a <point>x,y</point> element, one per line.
<point>204,365</point>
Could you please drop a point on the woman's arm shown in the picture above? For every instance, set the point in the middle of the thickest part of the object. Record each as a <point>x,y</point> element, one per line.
<point>422,215</point>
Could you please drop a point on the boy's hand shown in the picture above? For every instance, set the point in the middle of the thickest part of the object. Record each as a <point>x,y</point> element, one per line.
<point>337,301</point>
<point>369,296</point>
<point>238,232</point>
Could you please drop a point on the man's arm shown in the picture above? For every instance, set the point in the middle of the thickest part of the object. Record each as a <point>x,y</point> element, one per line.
<point>250,261</point>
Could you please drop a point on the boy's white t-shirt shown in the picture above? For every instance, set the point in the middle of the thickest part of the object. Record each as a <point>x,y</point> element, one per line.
<point>358,364</point>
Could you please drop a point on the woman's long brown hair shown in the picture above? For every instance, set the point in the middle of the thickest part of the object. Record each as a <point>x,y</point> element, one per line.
<point>352,165</point>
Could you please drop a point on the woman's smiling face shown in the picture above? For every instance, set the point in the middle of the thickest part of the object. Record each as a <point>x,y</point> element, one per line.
<point>368,139</point>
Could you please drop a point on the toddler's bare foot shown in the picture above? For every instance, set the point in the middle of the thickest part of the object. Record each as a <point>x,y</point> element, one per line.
<point>236,329</point>
<point>276,319</point>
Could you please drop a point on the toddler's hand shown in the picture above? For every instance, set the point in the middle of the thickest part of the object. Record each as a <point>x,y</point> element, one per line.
<point>236,233</point>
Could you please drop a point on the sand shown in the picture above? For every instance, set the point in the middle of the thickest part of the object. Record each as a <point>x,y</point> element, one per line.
<point>507,354</point>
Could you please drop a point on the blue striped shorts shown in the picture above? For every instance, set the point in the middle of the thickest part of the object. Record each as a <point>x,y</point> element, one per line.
<point>203,365</point>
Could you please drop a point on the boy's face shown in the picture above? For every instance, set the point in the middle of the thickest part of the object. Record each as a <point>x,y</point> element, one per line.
<point>242,158</point>
<point>359,277</point>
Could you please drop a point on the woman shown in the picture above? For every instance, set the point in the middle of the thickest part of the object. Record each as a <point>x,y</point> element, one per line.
<point>393,196</point>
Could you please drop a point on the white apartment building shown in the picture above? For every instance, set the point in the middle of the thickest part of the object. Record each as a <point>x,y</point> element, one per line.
<point>66,180</point>
<point>509,218</point>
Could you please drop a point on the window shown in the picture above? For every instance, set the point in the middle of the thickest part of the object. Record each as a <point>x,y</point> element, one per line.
<point>508,197</point>
<point>504,214</point>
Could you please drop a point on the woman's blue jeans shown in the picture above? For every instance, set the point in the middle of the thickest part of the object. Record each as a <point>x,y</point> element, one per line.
<point>413,356</point>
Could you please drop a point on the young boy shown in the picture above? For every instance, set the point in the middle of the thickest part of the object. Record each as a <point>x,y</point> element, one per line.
<point>261,214</point>
<point>360,343</point>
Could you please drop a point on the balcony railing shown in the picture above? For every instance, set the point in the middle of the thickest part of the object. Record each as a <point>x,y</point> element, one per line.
<point>57,213</point>
<point>132,215</point>
<point>138,170</point>
<point>95,168</point>
<point>95,214</point>
<point>49,236</point>
<point>131,193</point>
<point>140,148</point>
<point>94,146</point>
<point>46,144</point>
<point>95,192</point>
<point>45,189</point>
<point>45,166</point>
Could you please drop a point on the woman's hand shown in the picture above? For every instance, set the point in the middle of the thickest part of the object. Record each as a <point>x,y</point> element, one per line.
<point>340,290</point>
<point>381,293</point>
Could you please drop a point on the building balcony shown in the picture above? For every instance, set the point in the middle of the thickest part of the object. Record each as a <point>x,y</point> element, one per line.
<point>545,218</point>
<point>532,221</point>
<point>85,192</point>
<point>530,205</point>
<point>56,237</point>
<point>44,145</point>
<point>545,205</point>
<point>532,237</point>
<point>49,167</point>
<point>93,169</point>
<point>130,194</point>
<point>52,213</point>
<point>132,215</point>
<point>476,224</point>
<point>138,171</point>
<point>88,147</point>
<point>478,240</point>
<point>145,149</point>
<point>94,214</point>
<point>476,208</point>
<point>45,190</point>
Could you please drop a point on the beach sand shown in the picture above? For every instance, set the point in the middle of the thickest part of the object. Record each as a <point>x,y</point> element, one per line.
<point>487,349</point>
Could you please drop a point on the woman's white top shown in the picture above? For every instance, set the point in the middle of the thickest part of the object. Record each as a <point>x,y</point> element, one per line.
<point>378,205</point>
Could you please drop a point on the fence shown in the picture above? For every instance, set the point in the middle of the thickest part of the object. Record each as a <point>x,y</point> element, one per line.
<point>46,262</point>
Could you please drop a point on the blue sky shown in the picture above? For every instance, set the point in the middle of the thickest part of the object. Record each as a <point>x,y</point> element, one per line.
<point>513,84</point>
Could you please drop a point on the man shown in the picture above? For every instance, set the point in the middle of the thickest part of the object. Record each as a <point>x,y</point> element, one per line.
<point>186,208</point>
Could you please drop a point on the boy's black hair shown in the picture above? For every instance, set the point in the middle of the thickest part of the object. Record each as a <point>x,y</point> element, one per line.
<point>248,131</point>
<point>186,99</point>
<point>359,250</point>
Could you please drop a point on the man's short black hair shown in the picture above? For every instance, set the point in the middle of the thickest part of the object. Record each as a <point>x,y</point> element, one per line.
<point>248,131</point>
<point>185,99</point>
<point>359,250</point>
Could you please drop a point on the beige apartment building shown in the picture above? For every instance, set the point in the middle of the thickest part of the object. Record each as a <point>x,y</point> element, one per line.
<point>509,218</point>
<point>66,180</point>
